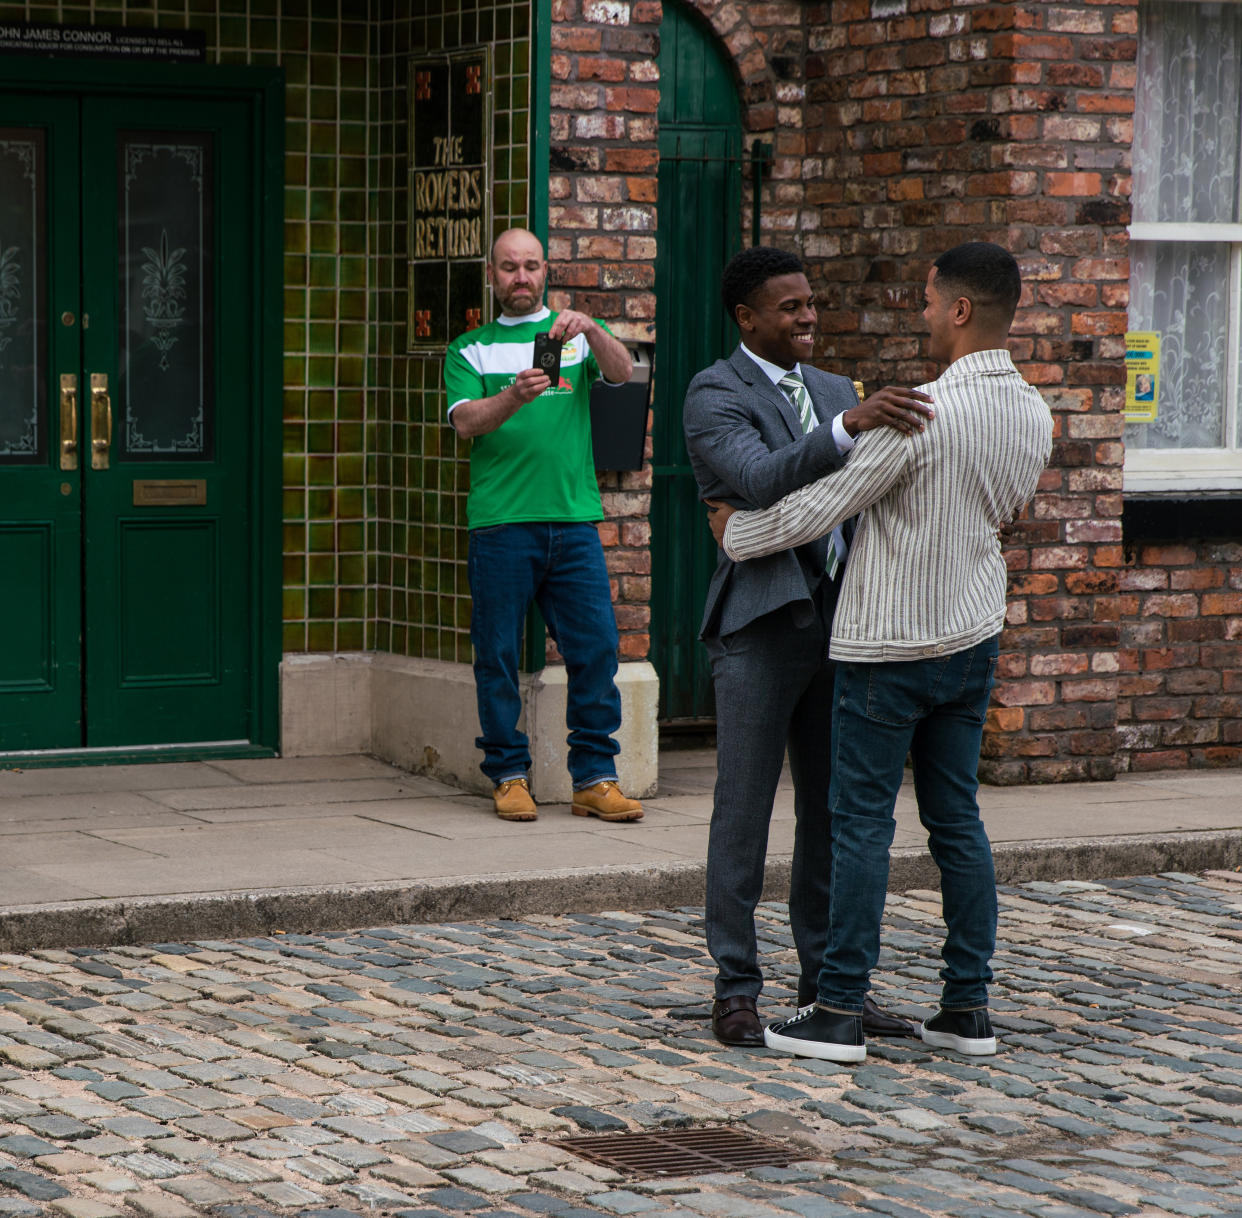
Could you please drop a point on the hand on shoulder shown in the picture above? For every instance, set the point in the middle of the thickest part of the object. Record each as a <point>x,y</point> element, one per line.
<point>904,410</point>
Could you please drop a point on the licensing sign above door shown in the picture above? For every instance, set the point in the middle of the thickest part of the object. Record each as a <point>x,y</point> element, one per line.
<point>102,42</point>
<point>450,195</point>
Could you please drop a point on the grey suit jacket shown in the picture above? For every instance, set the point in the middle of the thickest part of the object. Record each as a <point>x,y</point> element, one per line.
<point>747,447</point>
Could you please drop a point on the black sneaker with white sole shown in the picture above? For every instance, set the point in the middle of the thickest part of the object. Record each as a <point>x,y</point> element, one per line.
<point>817,1032</point>
<point>968,1032</point>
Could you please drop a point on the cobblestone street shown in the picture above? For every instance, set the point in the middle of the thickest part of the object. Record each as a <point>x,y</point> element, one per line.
<point>431,1070</point>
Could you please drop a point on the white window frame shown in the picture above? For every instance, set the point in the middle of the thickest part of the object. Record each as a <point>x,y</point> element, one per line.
<point>1168,471</point>
<point>1154,471</point>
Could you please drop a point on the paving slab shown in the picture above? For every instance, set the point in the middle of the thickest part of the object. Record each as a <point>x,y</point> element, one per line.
<point>314,769</point>
<point>459,818</point>
<point>57,780</point>
<point>76,809</point>
<point>137,853</point>
<point>23,888</point>
<point>31,850</point>
<point>261,795</point>
<point>196,872</point>
<point>266,837</point>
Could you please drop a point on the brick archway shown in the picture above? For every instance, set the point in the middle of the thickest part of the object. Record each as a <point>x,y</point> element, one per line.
<point>768,55</point>
<point>602,196</point>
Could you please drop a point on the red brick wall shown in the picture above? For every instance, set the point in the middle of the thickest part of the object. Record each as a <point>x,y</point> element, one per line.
<point>1009,124</point>
<point>1180,661</point>
<point>896,137</point>
<point>601,234</point>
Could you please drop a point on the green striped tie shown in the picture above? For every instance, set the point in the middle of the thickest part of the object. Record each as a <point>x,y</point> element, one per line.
<point>795,387</point>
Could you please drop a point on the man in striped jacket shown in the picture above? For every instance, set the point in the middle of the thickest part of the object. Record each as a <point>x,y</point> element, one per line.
<point>915,637</point>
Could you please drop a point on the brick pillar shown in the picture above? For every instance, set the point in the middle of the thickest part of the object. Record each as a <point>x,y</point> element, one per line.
<point>1072,100</point>
<point>601,234</point>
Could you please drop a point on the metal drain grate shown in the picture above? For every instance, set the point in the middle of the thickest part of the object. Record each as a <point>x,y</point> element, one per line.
<point>681,1152</point>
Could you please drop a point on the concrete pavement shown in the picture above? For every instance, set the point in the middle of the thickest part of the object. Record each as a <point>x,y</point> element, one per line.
<point>133,854</point>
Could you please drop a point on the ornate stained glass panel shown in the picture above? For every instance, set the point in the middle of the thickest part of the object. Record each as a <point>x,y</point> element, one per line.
<point>166,243</point>
<point>23,296</point>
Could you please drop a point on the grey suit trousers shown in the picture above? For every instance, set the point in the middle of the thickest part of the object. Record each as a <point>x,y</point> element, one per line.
<point>773,683</point>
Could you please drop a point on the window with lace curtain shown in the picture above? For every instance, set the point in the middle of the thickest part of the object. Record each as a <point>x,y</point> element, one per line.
<point>1186,244</point>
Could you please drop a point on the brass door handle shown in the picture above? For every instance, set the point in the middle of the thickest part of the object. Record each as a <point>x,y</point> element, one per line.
<point>68,421</point>
<point>101,420</point>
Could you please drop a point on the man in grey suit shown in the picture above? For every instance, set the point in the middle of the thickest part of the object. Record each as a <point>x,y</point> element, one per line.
<point>758,425</point>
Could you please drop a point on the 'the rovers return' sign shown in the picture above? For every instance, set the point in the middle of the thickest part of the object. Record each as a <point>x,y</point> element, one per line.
<point>450,195</point>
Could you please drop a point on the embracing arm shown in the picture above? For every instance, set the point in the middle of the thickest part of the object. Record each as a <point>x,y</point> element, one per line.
<point>876,464</point>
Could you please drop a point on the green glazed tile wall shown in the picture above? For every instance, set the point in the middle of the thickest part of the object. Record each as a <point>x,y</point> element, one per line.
<point>374,480</point>
<point>324,49</point>
<point>422,603</point>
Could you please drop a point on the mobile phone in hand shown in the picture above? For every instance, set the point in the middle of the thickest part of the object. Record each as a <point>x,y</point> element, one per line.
<point>548,356</point>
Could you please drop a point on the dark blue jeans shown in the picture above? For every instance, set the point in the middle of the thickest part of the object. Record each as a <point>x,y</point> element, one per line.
<point>934,710</point>
<point>561,568</point>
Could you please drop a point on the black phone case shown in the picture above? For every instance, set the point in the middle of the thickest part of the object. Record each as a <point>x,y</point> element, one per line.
<point>548,356</point>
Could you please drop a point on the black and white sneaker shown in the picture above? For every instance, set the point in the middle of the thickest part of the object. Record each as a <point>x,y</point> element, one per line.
<point>817,1032</point>
<point>968,1032</point>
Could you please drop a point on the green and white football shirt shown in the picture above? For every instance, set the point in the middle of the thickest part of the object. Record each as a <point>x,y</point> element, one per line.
<point>537,465</point>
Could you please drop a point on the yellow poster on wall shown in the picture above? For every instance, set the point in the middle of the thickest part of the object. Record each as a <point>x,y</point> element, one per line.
<point>1142,376</point>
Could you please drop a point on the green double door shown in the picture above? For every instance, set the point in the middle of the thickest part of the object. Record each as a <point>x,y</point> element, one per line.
<point>126,393</point>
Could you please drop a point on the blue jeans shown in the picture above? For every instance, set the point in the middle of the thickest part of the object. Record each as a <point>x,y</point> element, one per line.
<point>934,710</point>
<point>561,568</point>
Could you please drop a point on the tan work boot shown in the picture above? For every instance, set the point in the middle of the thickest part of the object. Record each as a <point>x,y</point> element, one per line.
<point>605,800</point>
<point>513,801</point>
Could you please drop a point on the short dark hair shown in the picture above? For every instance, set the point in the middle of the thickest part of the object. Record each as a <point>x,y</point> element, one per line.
<point>985,273</point>
<point>749,270</point>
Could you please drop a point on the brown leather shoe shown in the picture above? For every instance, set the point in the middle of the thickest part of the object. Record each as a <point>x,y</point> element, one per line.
<point>605,800</point>
<point>735,1021</point>
<point>876,1021</point>
<point>513,801</point>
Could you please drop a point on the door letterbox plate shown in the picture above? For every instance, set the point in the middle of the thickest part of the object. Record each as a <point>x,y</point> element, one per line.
<point>170,492</point>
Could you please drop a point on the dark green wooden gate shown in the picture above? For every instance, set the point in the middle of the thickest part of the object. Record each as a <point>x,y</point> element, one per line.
<point>700,228</point>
